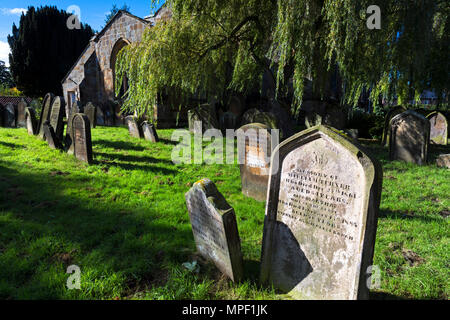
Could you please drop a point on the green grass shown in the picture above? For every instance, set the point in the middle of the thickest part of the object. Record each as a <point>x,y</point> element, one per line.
<point>124,222</point>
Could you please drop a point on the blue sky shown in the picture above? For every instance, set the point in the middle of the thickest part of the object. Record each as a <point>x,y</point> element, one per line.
<point>93,12</point>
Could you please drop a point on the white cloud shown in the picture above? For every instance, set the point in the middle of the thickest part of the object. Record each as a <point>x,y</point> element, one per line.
<point>4,52</point>
<point>14,11</point>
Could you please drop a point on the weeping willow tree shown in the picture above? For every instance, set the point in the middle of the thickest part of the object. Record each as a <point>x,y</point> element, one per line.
<point>212,46</point>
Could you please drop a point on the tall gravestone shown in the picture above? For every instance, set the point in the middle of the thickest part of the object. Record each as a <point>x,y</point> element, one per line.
<point>133,127</point>
<point>82,138</point>
<point>45,113</point>
<point>91,112</point>
<point>321,217</point>
<point>76,108</point>
<point>206,113</point>
<point>387,120</point>
<point>254,151</point>
<point>21,107</point>
<point>409,137</point>
<point>10,116</point>
<point>215,229</point>
<point>438,128</point>
<point>30,121</point>
<point>149,132</point>
<point>56,117</point>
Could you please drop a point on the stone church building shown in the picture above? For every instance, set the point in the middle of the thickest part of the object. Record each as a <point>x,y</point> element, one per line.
<point>91,79</point>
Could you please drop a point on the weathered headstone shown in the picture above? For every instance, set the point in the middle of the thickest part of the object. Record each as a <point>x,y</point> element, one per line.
<point>56,117</point>
<point>438,128</point>
<point>149,131</point>
<point>21,113</point>
<point>91,112</point>
<point>215,229</point>
<point>321,217</point>
<point>45,113</point>
<point>409,137</point>
<point>387,120</point>
<point>10,116</point>
<point>82,137</point>
<point>50,136</point>
<point>76,108</point>
<point>443,161</point>
<point>133,127</point>
<point>30,121</point>
<point>2,115</point>
<point>254,149</point>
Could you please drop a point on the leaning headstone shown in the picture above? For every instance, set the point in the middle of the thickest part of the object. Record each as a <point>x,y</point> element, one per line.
<point>56,117</point>
<point>443,161</point>
<point>91,112</point>
<point>21,123</point>
<point>409,137</point>
<point>76,108</point>
<point>133,127</point>
<point>82,138</point>
<point>205,113</point>
<point>10,116</point>
<point>321,217</point>
<point>50,136</point>
<point>215,229</point>
<point>149,131</point>
<point>438,128</point>
<point>254,149</point>
<point>45,113</point>
<point>2,115</point>
<point>30,121</point>
<point>387,120</point>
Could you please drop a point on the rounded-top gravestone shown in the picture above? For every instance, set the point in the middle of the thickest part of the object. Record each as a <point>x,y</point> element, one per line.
<point>321,217</point>
<point>387,119</point>
<point>10,116</point>
<point>21,113</point>
<point>45,113</point>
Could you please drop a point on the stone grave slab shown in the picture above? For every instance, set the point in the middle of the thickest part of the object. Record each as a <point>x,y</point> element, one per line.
<point>82,138</point>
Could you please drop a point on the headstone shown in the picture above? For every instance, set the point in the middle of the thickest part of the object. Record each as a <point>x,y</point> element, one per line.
<point>215,229</point>
<point>56,117</point>
<point>76,108</point>
<point>438,128</point>
<point>387,120</point>
<point>353,133</point>
<point>21,114</point>
<point>100,117</point>
<point>321,217</point>
<point>133,127</point>
<point>205,113</point>
<point>409,137</point>
<point>254,149</point>
<point>10,116</point>
<point>45,113</point>
<point>443,161</point>
<point>91,112</point>
<point>236,106</point>
<point>30,121</point>
<point>50,136</point>
<point>149,131</point>
<point>82,137</point>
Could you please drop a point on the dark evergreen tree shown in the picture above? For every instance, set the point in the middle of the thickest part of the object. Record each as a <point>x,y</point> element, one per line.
<point>43,49</point>
<point>5,76</point>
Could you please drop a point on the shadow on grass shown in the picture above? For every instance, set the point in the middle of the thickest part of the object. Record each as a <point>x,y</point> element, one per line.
<point>10,145</point>
<point>166,141</point>
<point>132,158</point>
<point>384,296</point>
<point>48,230</point>
<point>399,215</point>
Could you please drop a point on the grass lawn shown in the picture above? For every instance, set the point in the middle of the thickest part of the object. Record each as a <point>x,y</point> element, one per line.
<point>124,222</point>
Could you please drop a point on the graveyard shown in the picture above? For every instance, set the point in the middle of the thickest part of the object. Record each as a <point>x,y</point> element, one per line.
<point>124,220</point>
<point>225,151</point>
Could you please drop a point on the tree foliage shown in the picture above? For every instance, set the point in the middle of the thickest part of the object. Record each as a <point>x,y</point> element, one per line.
<point>43,49</point>
<point>211,46</point>
<point>5,76</point>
